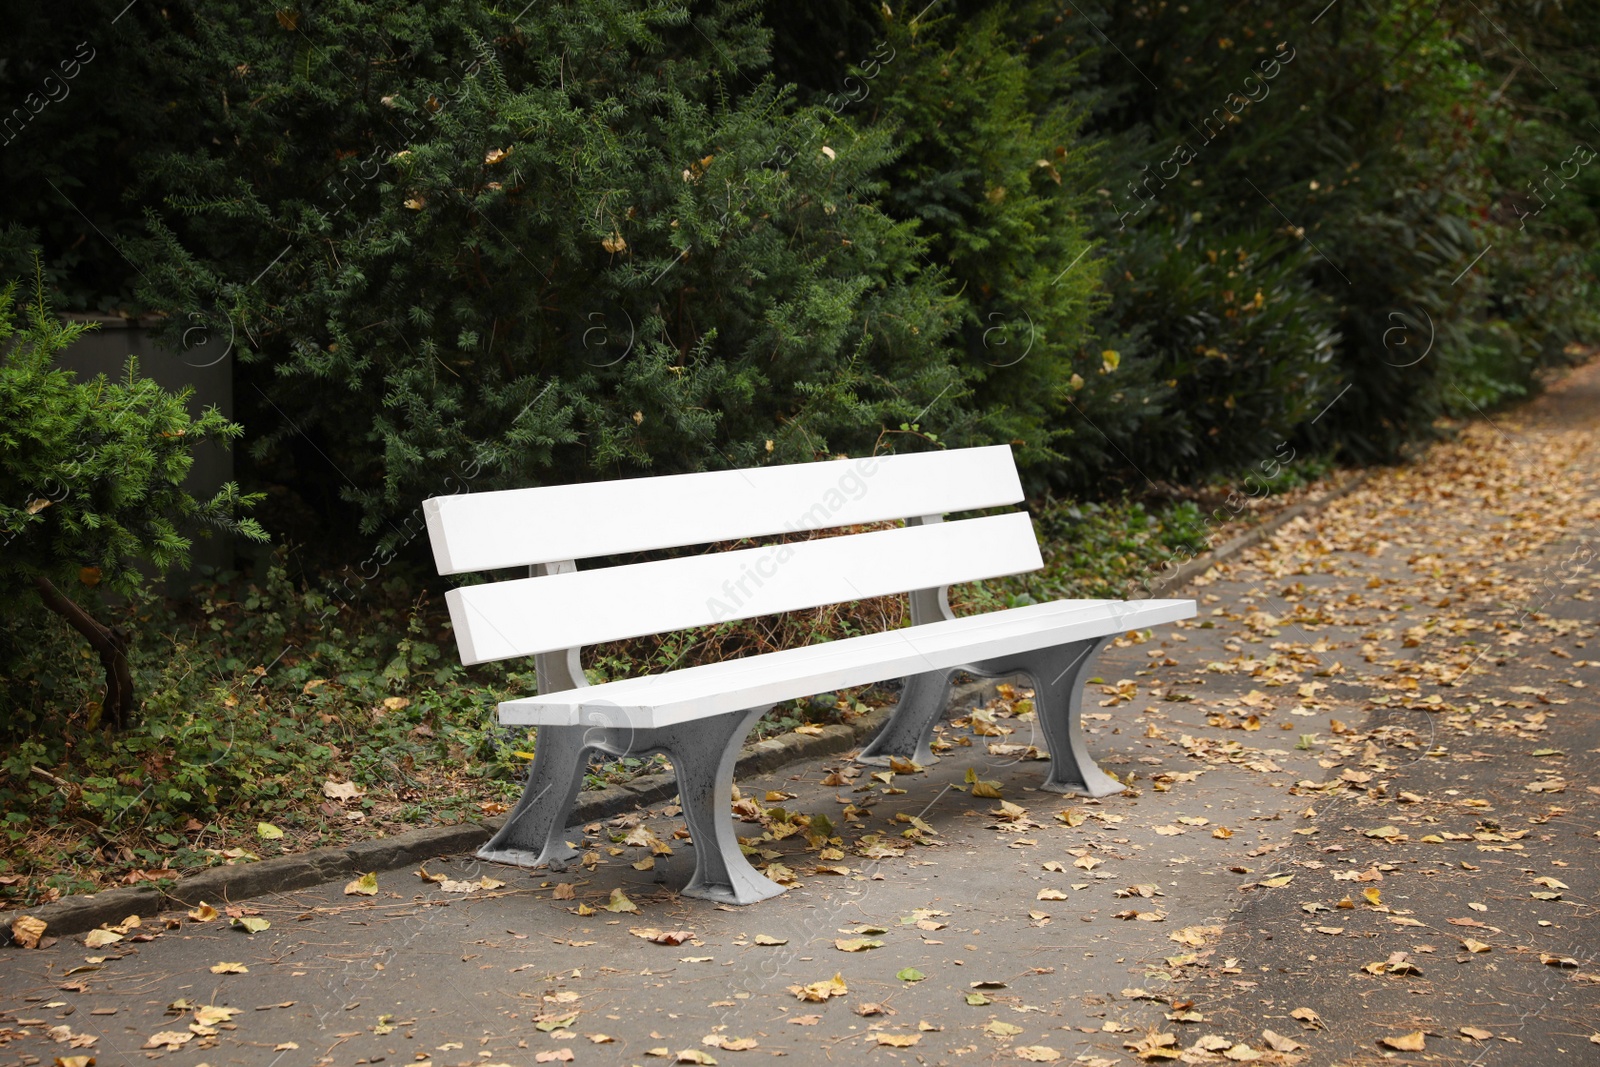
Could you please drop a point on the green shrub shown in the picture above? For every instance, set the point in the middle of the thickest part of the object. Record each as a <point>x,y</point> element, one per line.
<point>586,242</point>
<point>91,486</point>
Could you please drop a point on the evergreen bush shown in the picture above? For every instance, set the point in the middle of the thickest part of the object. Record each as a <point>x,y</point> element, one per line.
<point>91,480</point>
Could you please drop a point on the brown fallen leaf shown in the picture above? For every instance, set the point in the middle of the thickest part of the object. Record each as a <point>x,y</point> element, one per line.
<point>1195,936</point>
<point>26,930</point>
<point>342,790</point>
<point>204,913</point>
<point>101,938</point>
<point>1476,1034</point>
<point>805,1020</point>
<point>661,937</point>
<point>899,1040</point>
<point>619,902</point>
<point>171,1040</point>
<point>555,1055</point>
<point>1472,944</point>
<point>365,886</point>
<point>767,939</point>
<point>212,1014</point>
<point>1279,1043</point>
<point>229,968</point>
<point>1308,1018</point>
<point>1038,1054</point>
<point>821,991</point>
<point>563,891</point>
<point>1412,1042</point>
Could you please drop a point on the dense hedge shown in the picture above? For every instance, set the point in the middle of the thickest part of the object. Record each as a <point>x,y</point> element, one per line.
<point>1142,242</point>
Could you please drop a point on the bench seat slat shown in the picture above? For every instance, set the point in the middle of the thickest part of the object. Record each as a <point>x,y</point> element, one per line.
<point>520,527</point>
<point>531,615</point>
<point>652,701</point>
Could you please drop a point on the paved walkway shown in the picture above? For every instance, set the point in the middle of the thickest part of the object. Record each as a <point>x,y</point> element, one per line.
<point>1359,812</point>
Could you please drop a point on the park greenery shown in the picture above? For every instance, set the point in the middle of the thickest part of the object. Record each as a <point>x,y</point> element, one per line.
<point>1175,254</point>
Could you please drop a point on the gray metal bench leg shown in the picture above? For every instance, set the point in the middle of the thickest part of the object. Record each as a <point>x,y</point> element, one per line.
<point>703,754</point>
<point>535,832</point>
<point>909,732</point>
<point>1058,675</point>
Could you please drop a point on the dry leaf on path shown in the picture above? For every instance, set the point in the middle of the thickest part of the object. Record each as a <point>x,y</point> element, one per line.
<point>365,886</point>
<point>27,930</point>
<point>1308,1018</point>
<point>1412,1042</point>
<point>821,991</point>
<point>1279,1043</point>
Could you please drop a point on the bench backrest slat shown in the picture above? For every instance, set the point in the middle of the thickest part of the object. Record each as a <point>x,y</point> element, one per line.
<point>519,527</point>
<point>525,616</point>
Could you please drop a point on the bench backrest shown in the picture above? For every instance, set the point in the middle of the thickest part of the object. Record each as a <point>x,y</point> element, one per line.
<point>554,525</point>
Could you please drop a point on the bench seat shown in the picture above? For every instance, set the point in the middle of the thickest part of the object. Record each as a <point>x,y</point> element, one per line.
<point>659,700</point>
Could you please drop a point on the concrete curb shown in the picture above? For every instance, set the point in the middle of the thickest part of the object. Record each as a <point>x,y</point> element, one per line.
<point>282,874</point>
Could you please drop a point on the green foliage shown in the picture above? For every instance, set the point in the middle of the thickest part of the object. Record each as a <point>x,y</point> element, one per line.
<point>91,472</point>
<point>1366,160</point>
<point>250,701</point>
<point>253,697</point>
<point>583,243</point>
<point>990,162</point>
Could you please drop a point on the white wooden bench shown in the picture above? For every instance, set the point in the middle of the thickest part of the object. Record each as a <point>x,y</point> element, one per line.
<point>699,715</point>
